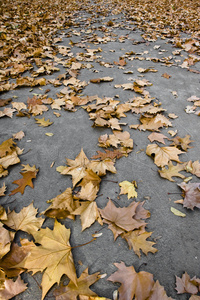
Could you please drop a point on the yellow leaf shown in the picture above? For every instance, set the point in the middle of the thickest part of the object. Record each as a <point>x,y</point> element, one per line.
<point>177,212</point>
<point>53,256</point>
<point>49,133</point>
<point>43,122</point>
<point>128,188</point>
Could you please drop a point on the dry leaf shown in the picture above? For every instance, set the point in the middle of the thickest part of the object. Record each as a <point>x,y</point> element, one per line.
<point>128,188</point>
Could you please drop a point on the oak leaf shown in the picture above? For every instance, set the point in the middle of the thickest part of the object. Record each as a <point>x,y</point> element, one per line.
<point>182,143</point>
<point>172,170</point>
<point>53,256</point>
<point>137,240</point>
<point>162,155</point>
<point>128,188</point>
<point>12,288</point>
<point>133,284</point>
<point>25,220</point>
<point>42,122</point>
<point>23,182</point>
<point>72,291</point>
<point>191,194</point>
<point>121,219</point>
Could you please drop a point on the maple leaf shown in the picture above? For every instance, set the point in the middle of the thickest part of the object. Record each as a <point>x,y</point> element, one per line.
<point>154,136</point>
<point>100,167</point>
<point>43,122</point>
<point>89,214</point>
<point>137,240</point>
<point>23,182</point>
<point>153,123</point>
<point>19,135</point>
<point>5,241</point>
<point>25,220</point>
<point>182,143</point>
<point>76,167</point>
<point>120,219</point>
<point>172,170</point>
<point>12,288</point>
<point>53,256</point>
<point>88,192</point>
<point>10,159</point>
<point>2,190</point>
<point>15,256</point>
<point>193,167</point>
<point>187,285</point>
<point>19,105</point>
<point>61,206</point>
<point>162,155</point>
<point>72,291</point>
<point>4,102</point>
<point>191,193</point>
<point>112,154</point>
<point>133,284</point>
<point>102,79</point>
<point>158,292</point>
<point>128,188</point>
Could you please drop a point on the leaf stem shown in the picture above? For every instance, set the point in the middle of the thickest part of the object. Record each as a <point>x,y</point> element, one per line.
<point>84,244</point>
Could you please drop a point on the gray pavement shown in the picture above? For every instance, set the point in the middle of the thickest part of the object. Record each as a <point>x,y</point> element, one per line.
<point>177,239</point>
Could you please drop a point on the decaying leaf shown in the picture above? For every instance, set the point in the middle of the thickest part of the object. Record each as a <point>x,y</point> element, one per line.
<point>187,285</point>
<point>2,190</point>
<point>12,288</point>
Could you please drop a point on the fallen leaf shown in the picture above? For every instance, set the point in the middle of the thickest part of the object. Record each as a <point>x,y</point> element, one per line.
<point>23,182</point>
<point>138,285</point>
<point>12,288</point>
<point>53,256</point>
<point>42,122</point>
<point>191,194</point>
<point>49,134</point>
<point>159,137</point>
<point>165,75</point>
<point>128,188</point>
<point>19,135</point>
<point>25,220</point>
<point>2,190</point>
<point>162,155</point>
<point>186,284</point>
<point>177,212</point>
<point>137,240</point>
<point>172,170</point>
<point>72,291</point>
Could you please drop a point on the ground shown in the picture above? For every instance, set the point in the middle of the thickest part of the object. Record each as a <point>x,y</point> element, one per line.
<point>98,40</point>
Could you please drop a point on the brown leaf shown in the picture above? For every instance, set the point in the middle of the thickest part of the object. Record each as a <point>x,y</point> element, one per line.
<point>4,102</point>
<point>15,256</point>
<point>112,154</point>
<point>162,155</point>
<point>5,241</point>
<point>158,293</point>
<point>138,285</point>
<point>191,194</point>
<point>19,135</point>
<point>61,206</point>
<point>165,75</point>
<point>154,136</point>
<point>2,190</point>
<point>89,214</point>
<point>12,288</point>
<point>171,170</point>
<point>182,143</point>
<point>120,219</point>
<point>137,240</point>
<point>186,285</point>
<point>72,291</point>
<point>23,182</point>
<point>101,167</point>
<point>193,167</point>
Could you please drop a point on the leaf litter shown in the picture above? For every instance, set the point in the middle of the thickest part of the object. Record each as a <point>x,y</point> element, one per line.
<point>33,42</point>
